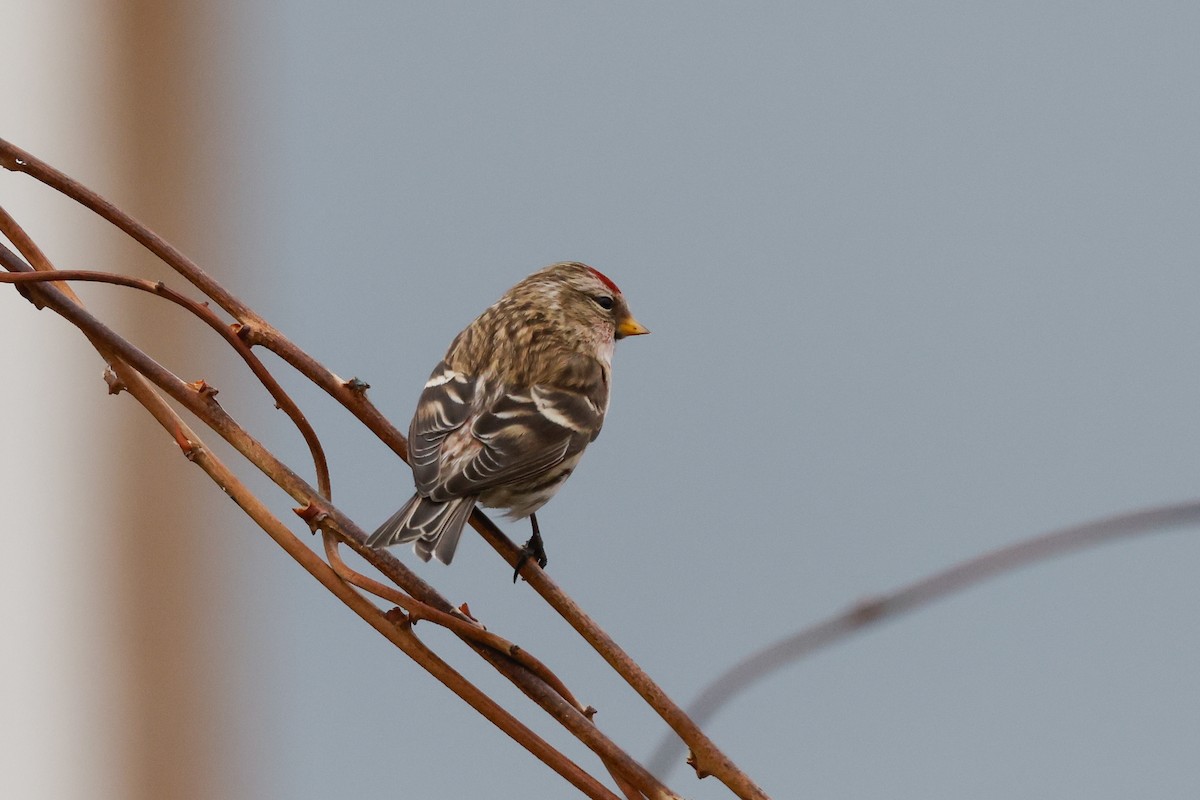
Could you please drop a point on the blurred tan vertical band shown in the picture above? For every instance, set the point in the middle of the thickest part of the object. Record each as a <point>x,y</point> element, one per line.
<point>164,66</point>
<point>115,679</point>
<point>111,683</point>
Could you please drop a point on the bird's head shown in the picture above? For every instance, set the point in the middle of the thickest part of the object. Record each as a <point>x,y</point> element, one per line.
<point>584,298</point>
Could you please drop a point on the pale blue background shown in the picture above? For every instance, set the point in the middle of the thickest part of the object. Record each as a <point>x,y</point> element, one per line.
<point>923,281</point>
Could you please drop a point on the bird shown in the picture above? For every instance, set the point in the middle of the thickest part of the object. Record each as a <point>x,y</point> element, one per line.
<point>506,415</point>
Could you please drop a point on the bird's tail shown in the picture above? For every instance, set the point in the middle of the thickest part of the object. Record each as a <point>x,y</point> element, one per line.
<point>434,528</point>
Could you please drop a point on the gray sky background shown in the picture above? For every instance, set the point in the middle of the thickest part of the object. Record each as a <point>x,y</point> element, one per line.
<point>922,279</point>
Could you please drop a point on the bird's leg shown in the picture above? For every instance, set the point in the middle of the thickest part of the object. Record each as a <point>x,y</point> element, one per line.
<point>532,549</point>
<point>534,546</point>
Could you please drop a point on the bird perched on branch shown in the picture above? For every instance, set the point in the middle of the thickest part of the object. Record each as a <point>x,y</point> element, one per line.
<point>506,415</point>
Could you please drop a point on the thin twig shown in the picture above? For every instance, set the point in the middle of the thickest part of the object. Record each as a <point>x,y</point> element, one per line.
<point>283,401</point>
<point>866,613</point>
<point>256,330</point>
<point>708,759</point>
<point>38,262</point>
<point>400,635</point>
<point>460,624</point>
<point>580,724</point>
<point>18,160</point>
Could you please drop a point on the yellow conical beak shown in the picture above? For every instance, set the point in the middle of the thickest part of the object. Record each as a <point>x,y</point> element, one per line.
<point>630,327</point>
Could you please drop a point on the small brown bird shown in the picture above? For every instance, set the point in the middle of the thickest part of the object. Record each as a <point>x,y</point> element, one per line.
<point>506,415</point>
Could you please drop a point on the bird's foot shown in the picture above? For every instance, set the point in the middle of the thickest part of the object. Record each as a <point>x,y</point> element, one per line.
<point>531,549</point>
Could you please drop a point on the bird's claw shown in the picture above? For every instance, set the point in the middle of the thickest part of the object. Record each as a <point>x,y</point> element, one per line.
<point>531,549</point>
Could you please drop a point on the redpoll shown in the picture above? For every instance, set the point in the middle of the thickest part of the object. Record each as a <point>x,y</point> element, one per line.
<point>508,412</point>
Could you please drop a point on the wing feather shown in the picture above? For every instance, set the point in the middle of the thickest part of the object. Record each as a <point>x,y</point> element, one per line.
<point>515,435</point>
<point>445,405</point>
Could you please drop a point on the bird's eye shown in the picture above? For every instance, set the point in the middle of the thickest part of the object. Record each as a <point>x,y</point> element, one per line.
<point>604,301</point>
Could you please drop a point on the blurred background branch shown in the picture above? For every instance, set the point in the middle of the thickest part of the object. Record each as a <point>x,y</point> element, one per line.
<point>881,608</point>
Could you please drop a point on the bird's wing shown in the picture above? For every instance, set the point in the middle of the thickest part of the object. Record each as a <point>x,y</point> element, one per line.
<point>447,402</point>
<point>467,437</point>
<point>524,434</point>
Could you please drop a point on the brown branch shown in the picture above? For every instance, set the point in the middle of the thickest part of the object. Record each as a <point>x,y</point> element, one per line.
<point>707,759</point>
<point>32,253</point>
<point>18,160</point>
<point>400,635</point>
<point>869,612</point>
<point>627,788</point>
<point>578,724</point>
<point>469,629</point>
<point>283,401</point>
<point>256,330</point>
<point>350,393</point>
<point>465,627</point>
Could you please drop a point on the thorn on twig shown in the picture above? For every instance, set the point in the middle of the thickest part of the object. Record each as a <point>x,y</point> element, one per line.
<point>397,617</point>
<point>190,449</point>
<point>312,515</point>
<point>246,332</point>
<point>463,612</point>
<point>203,389</point>
<point>30,296</point>
<point>695,764</point>
<point>357,386</point>
<point>115,384</point>
<point>589,711</point>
